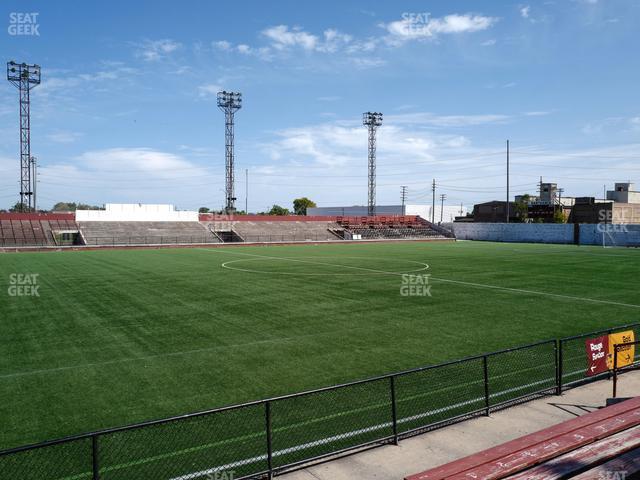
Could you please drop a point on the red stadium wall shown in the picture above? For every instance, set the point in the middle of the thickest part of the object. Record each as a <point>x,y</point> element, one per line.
<point>38,216</point>
<point>210,217</point>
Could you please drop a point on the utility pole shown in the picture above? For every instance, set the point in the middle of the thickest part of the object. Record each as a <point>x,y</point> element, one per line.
<point>540,189</point>
<point>507,181</point>
<point>433,201</point>
<point>24,77</point>
<point>372,120</point>
<point>403,197</point>
<point>443,197</point>
<point>461,208</point>
<point>246,191</point>
<point>229,103</point>
<point>34,176</point>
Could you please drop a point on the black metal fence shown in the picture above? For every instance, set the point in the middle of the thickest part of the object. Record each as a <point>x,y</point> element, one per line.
<point>151,240</point>
<point>268,437</point>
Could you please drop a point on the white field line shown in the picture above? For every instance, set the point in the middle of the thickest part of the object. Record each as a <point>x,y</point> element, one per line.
<point>534,292</point>
<point>354,433</point>
<point>459,282</point>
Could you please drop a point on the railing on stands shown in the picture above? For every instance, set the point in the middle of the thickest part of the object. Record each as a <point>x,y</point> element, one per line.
<point>12,243</point>
<point>277,435</point>
<point>150,240</point>
<point>622,366</point>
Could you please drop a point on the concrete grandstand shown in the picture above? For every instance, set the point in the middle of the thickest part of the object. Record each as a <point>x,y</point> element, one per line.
<point>139,225</point>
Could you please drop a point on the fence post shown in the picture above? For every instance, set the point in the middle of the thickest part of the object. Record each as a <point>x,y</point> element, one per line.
<point>615,370</point>
<point>394,409</point>
<point>485,367</point>
<point>95,458</point>
<point>558,367</point>
<point>267,406</point>
<point>609,332</point>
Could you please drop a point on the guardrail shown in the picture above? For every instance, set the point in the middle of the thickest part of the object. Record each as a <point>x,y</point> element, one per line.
<point>273,436</point>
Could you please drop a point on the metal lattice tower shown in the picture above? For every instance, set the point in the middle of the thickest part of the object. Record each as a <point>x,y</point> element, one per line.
<point>24,77</point>
<point>229,103</point>
<point>372,120</point>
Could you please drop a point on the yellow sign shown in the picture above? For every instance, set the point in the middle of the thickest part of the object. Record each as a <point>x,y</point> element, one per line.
<point>625,354</point>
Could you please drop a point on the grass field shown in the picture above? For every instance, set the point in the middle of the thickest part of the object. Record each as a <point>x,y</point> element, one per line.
<point>124,336</point>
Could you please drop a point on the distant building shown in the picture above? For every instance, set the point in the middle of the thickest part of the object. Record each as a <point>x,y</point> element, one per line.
<point>449,212</point>
<point>587,210</point>
<point>624,193</point>
<point>495,212</point>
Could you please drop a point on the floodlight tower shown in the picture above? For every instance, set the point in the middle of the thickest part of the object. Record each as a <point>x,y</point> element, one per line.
<point>229,103</point>
<point>24,77</point>
<point>372,120</point>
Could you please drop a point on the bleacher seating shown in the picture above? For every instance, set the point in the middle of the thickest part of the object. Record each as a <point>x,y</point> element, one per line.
<point>392,227</point>
<point>577,448</point>
<point>28,233</point>
<point>283,231</point>
<point>145,233</point>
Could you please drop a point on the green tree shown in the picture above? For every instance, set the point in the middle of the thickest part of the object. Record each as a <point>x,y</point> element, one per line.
<point>300,205</point>
<point>73,206</point>
<point>203,210</point>
<point>522,207</point>
<point>20,207</point>
<point>278,210</point>
<point>558,216</point>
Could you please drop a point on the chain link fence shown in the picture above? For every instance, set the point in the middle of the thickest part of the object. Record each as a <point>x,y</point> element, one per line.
<point>265,438</point>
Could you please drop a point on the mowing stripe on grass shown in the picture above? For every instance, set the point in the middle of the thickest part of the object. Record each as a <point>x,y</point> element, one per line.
<point>459,282</point>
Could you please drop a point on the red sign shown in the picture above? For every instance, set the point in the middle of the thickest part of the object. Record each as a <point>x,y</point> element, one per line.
<point>597,351</point>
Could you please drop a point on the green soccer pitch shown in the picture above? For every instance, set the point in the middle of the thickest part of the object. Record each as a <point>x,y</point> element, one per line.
<point>122,336</point>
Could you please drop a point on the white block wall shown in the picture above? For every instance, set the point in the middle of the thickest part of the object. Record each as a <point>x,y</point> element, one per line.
<point>515,232</point>
<point>136,212</point>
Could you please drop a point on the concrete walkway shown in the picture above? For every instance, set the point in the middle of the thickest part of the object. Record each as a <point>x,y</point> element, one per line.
<point>434,448</point>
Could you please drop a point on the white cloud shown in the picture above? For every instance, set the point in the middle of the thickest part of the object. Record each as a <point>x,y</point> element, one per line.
<point>538,113</point>
<point>222,45</point>
<point>334,41</point>
<point>62,136</point>
<point>412,28</point>
<point>489,43</point>
<point>525,10</point>
<point>446,121</point>
<point>153,50</point>
<point>368,62</point>
<point>209,89</point>
<point>282,37</point>
<point>147,160</point>
<point>245,49</point>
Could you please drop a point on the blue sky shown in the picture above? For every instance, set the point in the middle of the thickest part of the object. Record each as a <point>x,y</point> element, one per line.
<point>126,109</point>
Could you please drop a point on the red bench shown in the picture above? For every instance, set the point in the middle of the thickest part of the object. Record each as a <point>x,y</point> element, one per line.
<point>529,454</point>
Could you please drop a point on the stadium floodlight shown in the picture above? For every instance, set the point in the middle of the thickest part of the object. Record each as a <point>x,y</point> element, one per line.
<point>372,120</point>
<point>229,103</point>
<point>24,77</point>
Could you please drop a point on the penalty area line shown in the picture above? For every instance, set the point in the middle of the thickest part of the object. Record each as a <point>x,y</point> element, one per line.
<point>535,292</point>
